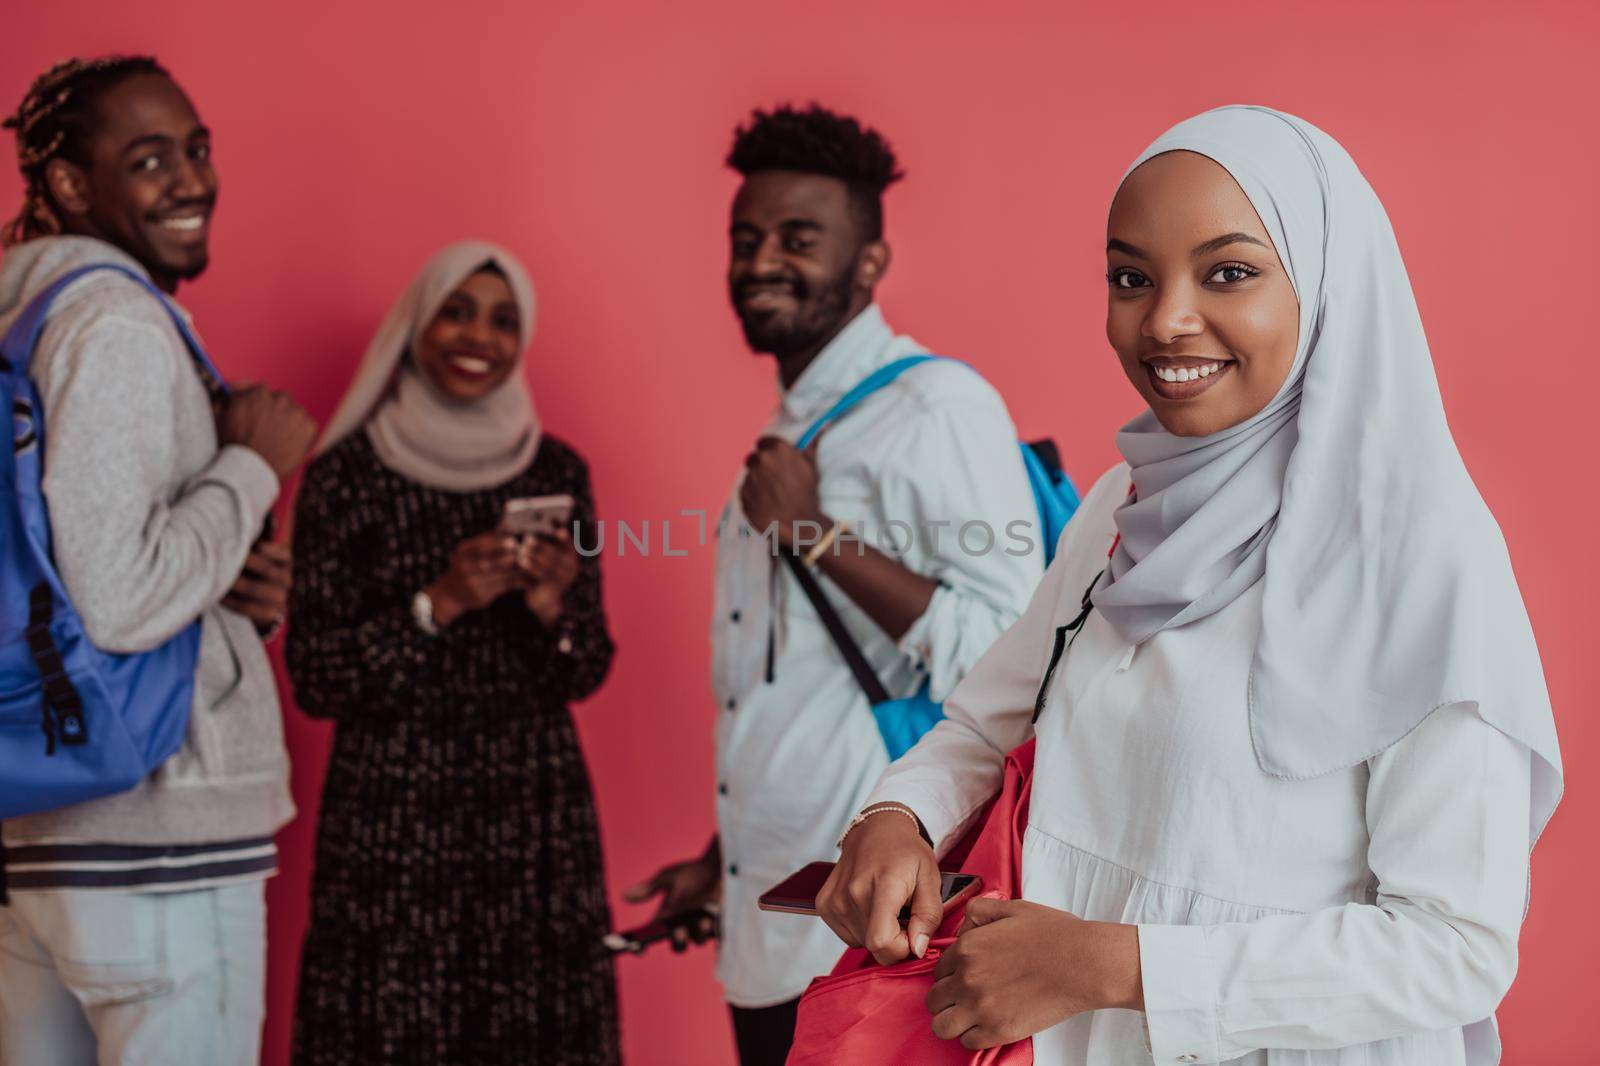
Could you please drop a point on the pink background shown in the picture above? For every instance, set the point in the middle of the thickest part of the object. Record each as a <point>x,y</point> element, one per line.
<point>352,139</point>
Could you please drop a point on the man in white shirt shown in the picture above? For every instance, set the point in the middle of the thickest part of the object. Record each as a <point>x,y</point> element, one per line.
<point>913,512</point>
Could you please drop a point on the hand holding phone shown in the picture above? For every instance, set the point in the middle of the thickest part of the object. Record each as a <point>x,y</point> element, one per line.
<point>691,927</point>
<point>798,893</point>
<point>886,865</point>
<point>482,569</point>
<point>261,591</point>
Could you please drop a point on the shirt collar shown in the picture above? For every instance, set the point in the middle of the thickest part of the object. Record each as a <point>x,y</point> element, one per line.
<point>853,354</point>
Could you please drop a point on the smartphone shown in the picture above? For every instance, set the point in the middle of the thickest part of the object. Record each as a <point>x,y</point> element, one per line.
<point>534,516</point>
<point>634,941</point>
<point>798,894</point>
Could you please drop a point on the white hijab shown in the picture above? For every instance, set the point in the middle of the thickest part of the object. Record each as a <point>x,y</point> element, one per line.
<point>431,438</point>
<point>1387,591</point>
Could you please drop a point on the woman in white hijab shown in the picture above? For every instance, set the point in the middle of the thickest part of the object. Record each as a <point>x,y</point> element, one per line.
<point>459,901</point>
<point>1291,765</point>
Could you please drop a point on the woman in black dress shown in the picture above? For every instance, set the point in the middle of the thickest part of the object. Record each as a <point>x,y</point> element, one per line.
<point>458,903</point>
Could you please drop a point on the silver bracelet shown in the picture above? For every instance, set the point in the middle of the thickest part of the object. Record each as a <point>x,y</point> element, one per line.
<point>878,808</point>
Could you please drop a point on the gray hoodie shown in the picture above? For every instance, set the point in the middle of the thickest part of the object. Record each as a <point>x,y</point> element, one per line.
<point>151,524</point>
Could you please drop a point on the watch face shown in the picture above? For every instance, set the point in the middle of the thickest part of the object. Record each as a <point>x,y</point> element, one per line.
<point>422,613</point>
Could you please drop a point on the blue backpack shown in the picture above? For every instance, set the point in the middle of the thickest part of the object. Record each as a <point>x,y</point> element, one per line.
<point>76,723</point>
<point>902,723</point>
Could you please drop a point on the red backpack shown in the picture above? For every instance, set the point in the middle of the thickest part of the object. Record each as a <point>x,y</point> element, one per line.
<point>863,1012</point>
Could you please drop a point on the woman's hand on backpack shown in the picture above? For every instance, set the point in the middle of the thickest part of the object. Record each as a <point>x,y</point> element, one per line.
<point>885,865</point>
<point>1017,968</point>
<point>482,569</point>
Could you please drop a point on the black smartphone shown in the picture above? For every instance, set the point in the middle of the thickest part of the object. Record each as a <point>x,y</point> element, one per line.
<point>634,941</point>
<point>798,893</point>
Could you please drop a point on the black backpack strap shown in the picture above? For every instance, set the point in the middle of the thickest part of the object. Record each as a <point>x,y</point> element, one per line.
<point>1048,454</point>
<point>60,707</point>
<point>1063,642</point>
<point>831,621</point>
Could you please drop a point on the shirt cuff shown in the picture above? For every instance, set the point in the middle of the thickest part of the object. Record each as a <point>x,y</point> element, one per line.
<point>915,642</point>
<point>247,473</point>
<point>1180,1003</point>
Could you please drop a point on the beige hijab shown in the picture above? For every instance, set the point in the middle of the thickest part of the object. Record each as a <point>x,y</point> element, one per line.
<point>417,431</point>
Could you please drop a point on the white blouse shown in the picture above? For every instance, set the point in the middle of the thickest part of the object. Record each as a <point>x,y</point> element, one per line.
<point>1368,916</point>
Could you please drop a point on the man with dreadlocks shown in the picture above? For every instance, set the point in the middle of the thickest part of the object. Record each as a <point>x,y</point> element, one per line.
<point>899,478</point>
<point>135,926</point>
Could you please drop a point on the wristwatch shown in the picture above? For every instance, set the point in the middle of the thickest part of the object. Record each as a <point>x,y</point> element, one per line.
<point>422,613</point>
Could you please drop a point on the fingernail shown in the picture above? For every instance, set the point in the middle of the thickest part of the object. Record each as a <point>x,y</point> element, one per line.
<point>919,945</point>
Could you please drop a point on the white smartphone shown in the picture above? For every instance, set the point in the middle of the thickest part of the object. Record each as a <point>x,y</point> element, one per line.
<point>534,516</point>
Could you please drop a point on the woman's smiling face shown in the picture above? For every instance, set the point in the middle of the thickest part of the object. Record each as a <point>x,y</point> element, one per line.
<point>470,348</point>
<point>1200,310</point>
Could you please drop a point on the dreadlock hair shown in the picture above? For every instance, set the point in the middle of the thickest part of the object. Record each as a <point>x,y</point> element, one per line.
<point>54,121</point>
<point>818,141</point>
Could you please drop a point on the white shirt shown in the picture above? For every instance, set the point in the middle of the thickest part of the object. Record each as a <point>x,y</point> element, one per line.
<point>1368,916</point>
<point>796,756</point>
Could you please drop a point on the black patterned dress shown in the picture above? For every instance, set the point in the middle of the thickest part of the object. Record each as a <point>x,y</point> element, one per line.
<point>459,899</point>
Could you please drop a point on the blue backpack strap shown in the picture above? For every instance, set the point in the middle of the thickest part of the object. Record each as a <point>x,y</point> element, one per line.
<point>16,351</point>
<point>1053,494</point>
<point>864,388</point>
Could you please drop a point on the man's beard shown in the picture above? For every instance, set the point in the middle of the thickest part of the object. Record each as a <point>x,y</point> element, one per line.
<point>195,269</point>
<point>816,318</point>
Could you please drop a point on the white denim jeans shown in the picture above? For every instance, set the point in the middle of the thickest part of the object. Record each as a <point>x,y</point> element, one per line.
<point>133,978</point>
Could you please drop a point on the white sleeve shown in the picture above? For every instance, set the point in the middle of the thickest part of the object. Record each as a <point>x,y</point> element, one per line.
<point>1447,815</point>
<point>957,479</point>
